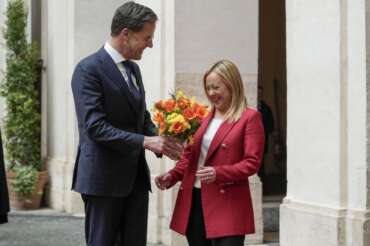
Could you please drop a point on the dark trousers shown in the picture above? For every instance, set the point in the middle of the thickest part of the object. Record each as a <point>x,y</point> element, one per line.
<point>196,234</point>
<point>3,219</point>
<point>118,221</point>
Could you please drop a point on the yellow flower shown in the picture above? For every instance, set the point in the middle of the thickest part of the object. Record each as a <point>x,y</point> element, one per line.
<point>192,101</point>
<point>190,139</point>
<point>179,94</point>
<point>174,117</point>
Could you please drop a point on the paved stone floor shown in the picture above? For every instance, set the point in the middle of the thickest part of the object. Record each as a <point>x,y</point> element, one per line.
<point>41,231</point>
<point>46,228</point>
<point>43,228</point>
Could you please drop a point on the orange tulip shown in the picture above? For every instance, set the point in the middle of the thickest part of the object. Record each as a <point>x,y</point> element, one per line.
<point>183,102</point>
<point>201,111</point>
<point>169,105</point>
<point>159,105</point>
<point>177,127</point>
<point>158,117</point>
<point>162,128</point>
<point>189,114</point>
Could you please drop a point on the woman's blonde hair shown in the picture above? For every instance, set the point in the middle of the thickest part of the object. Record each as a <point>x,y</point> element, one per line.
<point>230,75</point>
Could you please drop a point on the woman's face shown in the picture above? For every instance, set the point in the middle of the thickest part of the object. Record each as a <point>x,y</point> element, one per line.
<point>217,92</point>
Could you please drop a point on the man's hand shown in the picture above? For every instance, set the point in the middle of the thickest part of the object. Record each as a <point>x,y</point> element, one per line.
<point>168,146</point>
<point>163,181</point>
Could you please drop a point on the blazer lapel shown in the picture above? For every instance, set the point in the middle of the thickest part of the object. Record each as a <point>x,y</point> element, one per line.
<point>115,75</point>
<point>221,133</point>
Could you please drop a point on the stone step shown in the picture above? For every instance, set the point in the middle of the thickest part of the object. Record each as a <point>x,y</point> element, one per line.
<point>271,238</point>
<point>270,210</point>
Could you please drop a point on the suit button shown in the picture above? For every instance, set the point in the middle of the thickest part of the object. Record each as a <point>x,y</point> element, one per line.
<point>180,187</point>
<point>223,145</point>
<point>222,191</point>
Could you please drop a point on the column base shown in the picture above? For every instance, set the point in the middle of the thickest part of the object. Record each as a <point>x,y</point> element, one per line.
<point>306,224</point>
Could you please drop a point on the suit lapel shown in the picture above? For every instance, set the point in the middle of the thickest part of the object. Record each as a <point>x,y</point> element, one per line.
<point>139,82</point>
<point>115,75</point>
<point>141,106</point>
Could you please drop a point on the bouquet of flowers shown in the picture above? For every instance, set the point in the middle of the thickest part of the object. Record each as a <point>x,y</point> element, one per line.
<point>179,116</point>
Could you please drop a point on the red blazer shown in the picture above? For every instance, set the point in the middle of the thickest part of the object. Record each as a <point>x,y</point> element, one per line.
<point>235,152</point>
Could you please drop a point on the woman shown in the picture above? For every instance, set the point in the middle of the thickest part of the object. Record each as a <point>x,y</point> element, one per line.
<point>214,205</point>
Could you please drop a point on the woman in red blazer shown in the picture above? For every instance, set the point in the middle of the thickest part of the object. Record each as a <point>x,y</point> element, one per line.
<point>214,205</point>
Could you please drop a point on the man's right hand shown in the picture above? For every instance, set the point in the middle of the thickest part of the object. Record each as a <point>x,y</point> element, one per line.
<point>163,181</point>
<point>168,146</point>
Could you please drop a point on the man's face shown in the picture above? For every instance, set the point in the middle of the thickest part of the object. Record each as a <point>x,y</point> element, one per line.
<point>137,42</point>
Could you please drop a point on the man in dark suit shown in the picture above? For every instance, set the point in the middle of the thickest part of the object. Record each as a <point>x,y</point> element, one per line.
<point>268,126</point>
<point>115,128</point>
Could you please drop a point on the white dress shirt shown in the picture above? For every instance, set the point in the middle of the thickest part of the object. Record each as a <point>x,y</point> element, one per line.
<point>118,59</point>
<point>206,142</point>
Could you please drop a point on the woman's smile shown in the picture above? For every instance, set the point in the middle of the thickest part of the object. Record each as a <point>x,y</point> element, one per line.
<point>217,92</point>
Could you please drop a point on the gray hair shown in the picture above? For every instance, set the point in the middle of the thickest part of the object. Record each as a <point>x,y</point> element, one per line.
<point>132,16</point>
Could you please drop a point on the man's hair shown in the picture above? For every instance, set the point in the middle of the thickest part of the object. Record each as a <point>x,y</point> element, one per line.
<point>132,16</point>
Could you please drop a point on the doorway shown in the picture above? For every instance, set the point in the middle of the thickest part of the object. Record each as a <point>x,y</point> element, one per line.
<point>272,103</point>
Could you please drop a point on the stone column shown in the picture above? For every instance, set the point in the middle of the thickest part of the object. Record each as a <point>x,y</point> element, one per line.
<point>58,38</point>
<point>327,199</point>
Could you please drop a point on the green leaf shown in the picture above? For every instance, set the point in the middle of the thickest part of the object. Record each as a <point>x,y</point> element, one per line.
<point>22,121</point>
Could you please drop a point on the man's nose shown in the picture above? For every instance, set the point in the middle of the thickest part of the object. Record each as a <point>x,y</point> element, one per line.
<point>150,45</point>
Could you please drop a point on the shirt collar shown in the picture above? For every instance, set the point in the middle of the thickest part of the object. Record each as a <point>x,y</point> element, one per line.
<point>112,52</point>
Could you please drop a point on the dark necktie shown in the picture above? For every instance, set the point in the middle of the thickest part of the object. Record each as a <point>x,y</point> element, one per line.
<point>134,91</point>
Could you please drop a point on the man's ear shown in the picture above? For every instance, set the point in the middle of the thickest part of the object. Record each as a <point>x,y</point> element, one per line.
<point>124,33</point>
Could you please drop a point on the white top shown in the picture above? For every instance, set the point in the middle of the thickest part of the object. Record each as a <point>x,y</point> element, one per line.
<point>118,59</point>
<point>206,142</point>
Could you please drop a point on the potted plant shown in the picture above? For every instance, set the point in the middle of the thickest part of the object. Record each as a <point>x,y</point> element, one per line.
<point>22,120</point>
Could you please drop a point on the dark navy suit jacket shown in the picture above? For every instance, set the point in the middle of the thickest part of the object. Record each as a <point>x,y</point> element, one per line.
<point>111,128</point>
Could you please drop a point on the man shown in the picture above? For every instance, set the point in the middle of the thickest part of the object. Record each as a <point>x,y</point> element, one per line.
<point>268,125</point>
<point>111,172</point>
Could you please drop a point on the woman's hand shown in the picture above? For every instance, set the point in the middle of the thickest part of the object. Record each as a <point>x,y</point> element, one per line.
<point>163,181</point>
<point>206,174</point>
